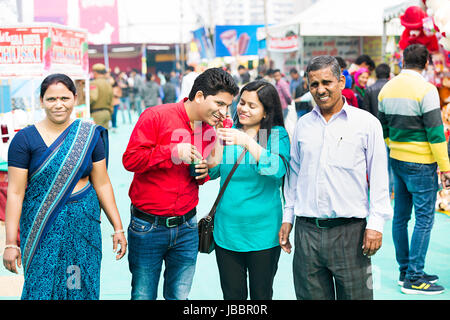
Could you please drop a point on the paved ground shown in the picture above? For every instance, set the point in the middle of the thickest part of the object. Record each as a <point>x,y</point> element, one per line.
<point>116,278</point>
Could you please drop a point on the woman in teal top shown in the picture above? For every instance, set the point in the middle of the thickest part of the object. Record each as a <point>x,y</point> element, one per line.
<point>249,214</point>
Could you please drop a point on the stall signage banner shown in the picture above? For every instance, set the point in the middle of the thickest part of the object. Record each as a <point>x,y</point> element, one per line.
<point>284,44</point>
<point>346,47</point>
<point>34,51</point>
<point>69,48</point>
<point>236,40</point>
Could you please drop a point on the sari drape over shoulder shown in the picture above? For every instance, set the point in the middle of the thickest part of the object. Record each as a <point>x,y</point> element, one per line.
<point>60,231</point>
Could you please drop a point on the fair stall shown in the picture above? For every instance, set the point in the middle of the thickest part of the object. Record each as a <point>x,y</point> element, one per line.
<point>345,28</point>
<point>28,53</point>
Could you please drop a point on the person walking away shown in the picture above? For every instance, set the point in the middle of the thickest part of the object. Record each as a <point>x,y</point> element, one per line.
<point>117,94</point>
<point>101,95</point>
<point>58,183</point>
<point>149,91</point>
<point>335,147</point>
<point>163,227</point>
<point>297,91</point>
<point>169,91</point>
<point>283,91</point>
<point>249,215</point>
<point>410,114</point>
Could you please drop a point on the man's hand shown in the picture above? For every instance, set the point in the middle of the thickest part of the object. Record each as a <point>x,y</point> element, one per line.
<point>187,153</point>
<point>202,169</point>
<point>371,242</point>
<point>283,235</point>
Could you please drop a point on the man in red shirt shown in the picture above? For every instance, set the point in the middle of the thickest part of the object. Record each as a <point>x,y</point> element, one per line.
<point>164,192</point>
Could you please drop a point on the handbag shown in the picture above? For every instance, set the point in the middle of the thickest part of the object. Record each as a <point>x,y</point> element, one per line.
<point>206,224</point>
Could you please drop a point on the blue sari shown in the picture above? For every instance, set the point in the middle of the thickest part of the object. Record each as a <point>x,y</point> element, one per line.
<point>60,231</point>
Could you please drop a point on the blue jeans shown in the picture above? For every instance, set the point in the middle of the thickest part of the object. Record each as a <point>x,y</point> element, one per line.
<point>151,244</point>
<point>415,184</point>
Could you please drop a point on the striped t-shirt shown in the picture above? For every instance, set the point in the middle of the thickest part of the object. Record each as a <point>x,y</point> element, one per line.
<point>409,111</point>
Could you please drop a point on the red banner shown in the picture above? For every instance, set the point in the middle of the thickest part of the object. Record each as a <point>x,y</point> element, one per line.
<point>42,49</point>
<point>101,19</point>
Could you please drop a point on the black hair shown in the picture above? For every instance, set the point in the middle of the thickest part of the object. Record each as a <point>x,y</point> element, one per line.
<point>270,100</point>
<point>341,62</point>
<point>293,70</point>
<point>415,56</point>
<point>213,81</point>
<point>241,67</point>
<point>277,70</point>
<point>382,71</point>
<point>321,62</point>
<point>367,59</point>
<point>57,78</point>
<point>190,68</point>
<point>148,76</point>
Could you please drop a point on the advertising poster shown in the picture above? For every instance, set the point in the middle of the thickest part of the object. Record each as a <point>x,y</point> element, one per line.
<point>34,51</point>
<point>236,40</point>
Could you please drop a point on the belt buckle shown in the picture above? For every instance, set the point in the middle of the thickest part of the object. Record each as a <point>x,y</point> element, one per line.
<point>168,225</point>
<point>317,223</point>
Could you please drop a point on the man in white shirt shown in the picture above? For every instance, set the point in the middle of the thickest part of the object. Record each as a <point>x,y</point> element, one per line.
<point>337,151</point>
<point>187,82</point>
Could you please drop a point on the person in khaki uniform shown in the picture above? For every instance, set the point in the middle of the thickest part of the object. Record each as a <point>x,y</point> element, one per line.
<point>101,95</point>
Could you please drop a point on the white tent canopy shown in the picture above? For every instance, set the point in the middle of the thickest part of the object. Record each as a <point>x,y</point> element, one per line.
<point>339,18</point>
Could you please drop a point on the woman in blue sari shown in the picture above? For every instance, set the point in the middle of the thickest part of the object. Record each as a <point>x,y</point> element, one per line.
<point>57,184</point>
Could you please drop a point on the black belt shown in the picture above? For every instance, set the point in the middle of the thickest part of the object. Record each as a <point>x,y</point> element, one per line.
<point>168,222</point>
<point>330,223</point>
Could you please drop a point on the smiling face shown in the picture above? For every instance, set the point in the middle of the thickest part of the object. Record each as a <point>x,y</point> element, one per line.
<point>58,102</point>
<point>213,108</point>
<point>362,79</point>
<point>250,110</point>
<point>326,89</point>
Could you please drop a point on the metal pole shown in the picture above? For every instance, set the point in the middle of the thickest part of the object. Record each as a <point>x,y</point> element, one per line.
<point>267,32</point>
<point>182,53</point>
<point>19,11</point>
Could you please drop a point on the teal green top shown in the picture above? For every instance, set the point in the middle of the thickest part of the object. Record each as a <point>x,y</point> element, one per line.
<point>249,215</point>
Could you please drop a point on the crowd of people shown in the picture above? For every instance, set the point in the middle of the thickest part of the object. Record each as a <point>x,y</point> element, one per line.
<point>332,180</point>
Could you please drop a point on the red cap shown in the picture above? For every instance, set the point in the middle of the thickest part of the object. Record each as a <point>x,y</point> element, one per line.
<point>412,18</point>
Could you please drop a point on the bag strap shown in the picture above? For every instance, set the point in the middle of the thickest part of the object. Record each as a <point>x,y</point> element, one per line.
<point>224,186</point>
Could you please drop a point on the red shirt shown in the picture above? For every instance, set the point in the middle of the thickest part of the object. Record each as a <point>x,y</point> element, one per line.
<point>350,97</point>
<point>162,184</point>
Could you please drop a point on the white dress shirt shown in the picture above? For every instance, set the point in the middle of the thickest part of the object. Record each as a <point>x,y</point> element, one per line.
<point>330,165</point>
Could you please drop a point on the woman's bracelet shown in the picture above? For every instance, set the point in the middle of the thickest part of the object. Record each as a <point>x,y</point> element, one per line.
<point>12,246</point>
<point>117,232</point>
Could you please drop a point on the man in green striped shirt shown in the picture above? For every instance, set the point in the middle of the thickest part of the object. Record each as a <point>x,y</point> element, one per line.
<point>410,114</point>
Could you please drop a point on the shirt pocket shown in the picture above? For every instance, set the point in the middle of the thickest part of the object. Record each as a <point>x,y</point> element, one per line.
<point>342,153</point>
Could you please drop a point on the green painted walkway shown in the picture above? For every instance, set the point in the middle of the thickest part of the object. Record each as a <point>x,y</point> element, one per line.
<point>116,278</point>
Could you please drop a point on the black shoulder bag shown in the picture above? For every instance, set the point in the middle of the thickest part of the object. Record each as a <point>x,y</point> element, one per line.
<point>206,224</point>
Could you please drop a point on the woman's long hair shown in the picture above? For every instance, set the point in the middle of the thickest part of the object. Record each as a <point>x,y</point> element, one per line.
<point>269,98</point>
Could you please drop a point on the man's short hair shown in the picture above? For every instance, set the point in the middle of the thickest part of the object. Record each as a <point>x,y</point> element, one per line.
<point>364,58</point>
<point>415,56</point>
<point>241,67</point>
<point>190,68</point>
<point>321,62</point>
<point>293,71</point>
<point>341,62</point>
<point>382,71</point>
<point>212,81</point>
